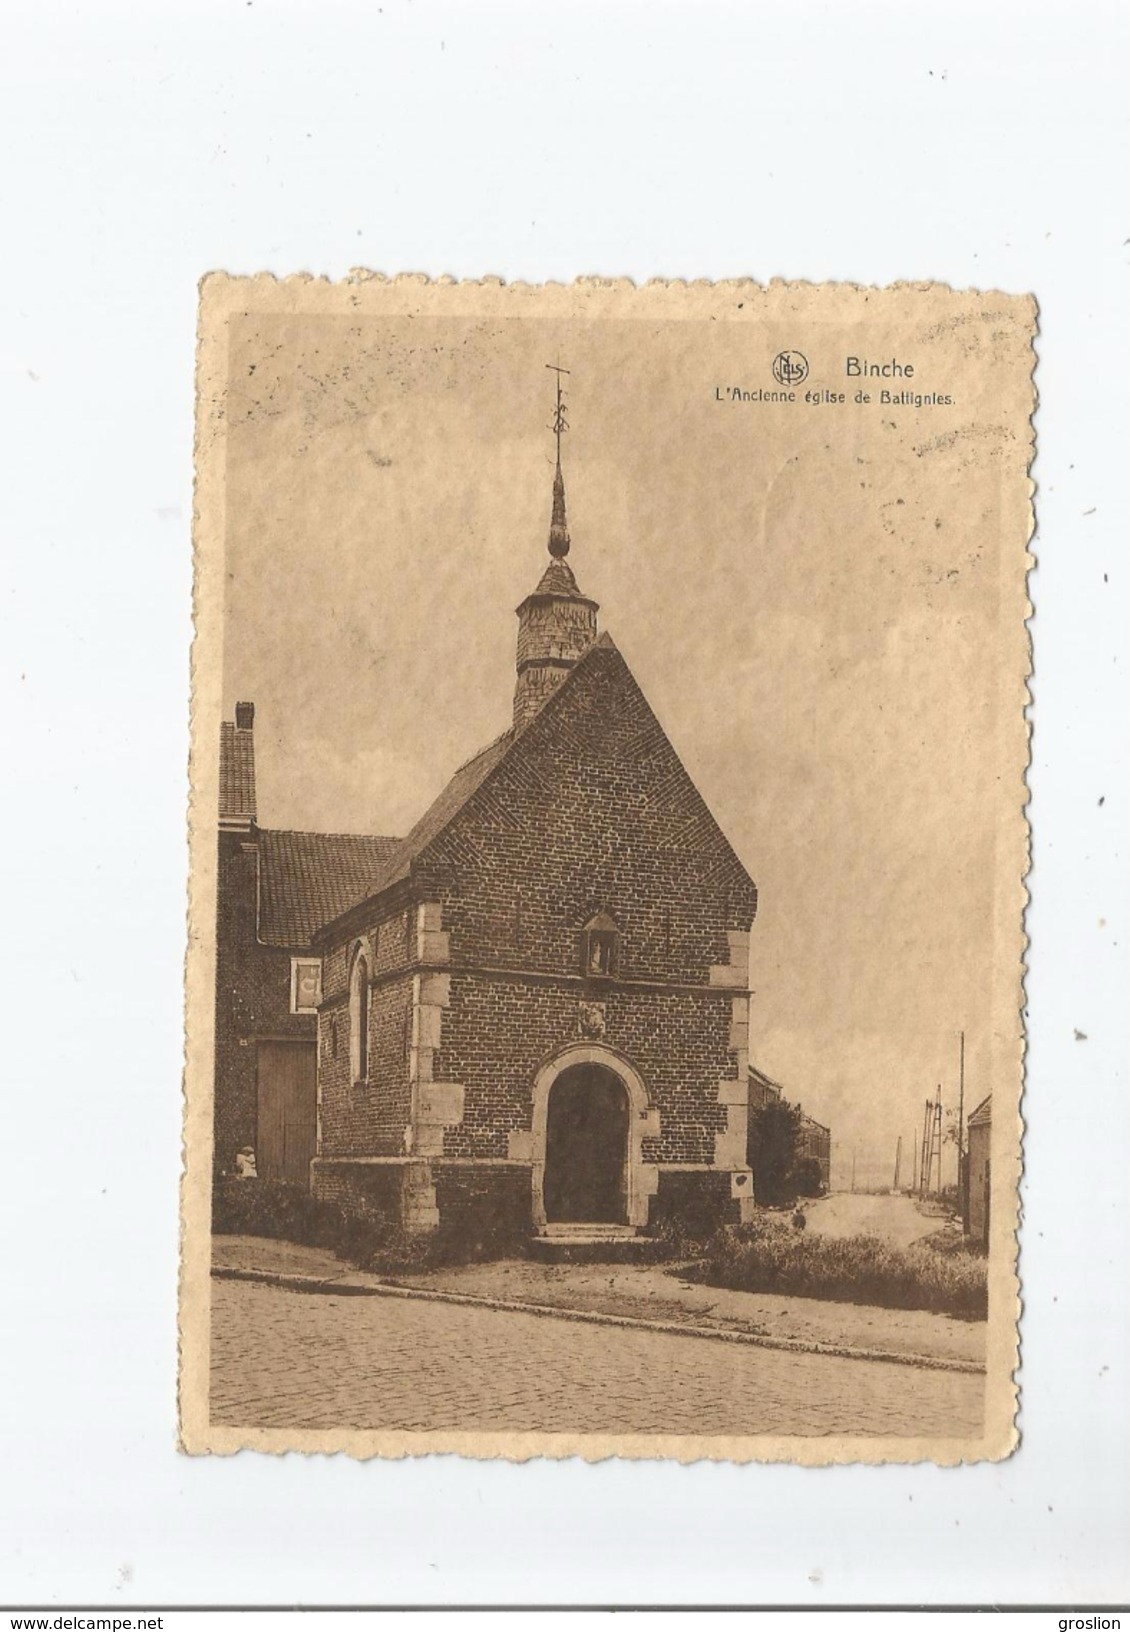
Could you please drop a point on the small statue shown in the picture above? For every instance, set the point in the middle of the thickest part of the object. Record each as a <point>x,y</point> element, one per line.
<point>591,1018</point>
<point>245,1164</point>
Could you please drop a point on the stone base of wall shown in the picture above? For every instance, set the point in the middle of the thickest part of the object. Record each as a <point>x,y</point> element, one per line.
<point>488,1205</point>
<point>483,1203</point>
<point>373,1190</point>
<point>694,1202</point>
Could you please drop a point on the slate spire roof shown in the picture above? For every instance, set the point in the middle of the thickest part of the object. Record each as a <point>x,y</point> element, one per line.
<point>558,527</point>
<point>558,580</point>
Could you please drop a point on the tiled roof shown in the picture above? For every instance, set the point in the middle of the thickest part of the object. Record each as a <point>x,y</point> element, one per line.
<point>237,772</point>
<point>467,779</point>
<point>464,785</point>
<point>306,879</point>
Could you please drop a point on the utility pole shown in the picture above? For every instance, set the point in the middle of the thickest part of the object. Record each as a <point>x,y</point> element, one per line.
<point>914,1149</point>
<point>932,1174</point>
<point>898,1163</point>
<point>853,1170</point>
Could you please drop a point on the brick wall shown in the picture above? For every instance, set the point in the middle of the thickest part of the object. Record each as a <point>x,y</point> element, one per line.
<point>592,810</point>
<point>366,1118</point>
<point>484,1206</point>
<point>391,944</point>
<point>698,1203</point>
<point>498,1031</point>
<point>364,1190</point>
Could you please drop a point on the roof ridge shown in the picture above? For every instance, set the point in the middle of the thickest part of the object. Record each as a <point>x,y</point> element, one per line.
<point>451,800</point>
<point>323,833</point>
<point>511,730</point>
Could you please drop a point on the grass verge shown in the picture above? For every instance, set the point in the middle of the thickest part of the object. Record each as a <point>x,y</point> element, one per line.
<point>763,1257</point>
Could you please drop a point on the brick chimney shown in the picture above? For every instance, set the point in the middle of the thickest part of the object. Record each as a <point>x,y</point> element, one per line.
<point>237,771</point>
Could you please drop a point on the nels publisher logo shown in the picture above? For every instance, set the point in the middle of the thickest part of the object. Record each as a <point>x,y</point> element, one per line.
<point>790,368</point>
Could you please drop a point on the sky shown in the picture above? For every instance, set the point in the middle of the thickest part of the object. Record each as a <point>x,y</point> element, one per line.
<point>814,599</point>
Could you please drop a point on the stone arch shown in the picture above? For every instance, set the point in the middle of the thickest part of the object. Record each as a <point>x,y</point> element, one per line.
<point>643,1122</point>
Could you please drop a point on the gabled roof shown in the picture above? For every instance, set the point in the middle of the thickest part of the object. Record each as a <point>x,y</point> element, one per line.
<point>982,1114</point>
<point>467,780</point>
<point>764,1086</point>
<point>306,879</point>
<point>463,785</point>
<point>471,776</point>
<point>237,773</point>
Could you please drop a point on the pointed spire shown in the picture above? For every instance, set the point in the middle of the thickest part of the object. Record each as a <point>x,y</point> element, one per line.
<point>558,528</point>
<point>556,623</point>
<point>558,531</point>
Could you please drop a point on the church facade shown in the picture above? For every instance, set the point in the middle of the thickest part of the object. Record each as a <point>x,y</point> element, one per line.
<point>533,1011</point>
<point>541,1016</point>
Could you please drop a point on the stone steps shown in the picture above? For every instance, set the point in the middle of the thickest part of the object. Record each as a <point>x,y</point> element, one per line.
<point>594,1244</point>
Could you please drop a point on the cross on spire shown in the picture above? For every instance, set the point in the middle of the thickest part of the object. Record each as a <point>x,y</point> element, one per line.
<point>558,531</point>
<point>559,424</point>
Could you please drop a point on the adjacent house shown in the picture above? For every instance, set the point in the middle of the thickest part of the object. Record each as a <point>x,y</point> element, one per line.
<point>274,888</point>
<point>978,1173</point>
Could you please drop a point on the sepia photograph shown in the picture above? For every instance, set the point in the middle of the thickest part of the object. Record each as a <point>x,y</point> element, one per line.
<point>608,869</point>
<point>565,619</point>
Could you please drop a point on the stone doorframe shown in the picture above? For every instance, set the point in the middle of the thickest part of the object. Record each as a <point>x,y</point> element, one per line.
<point>643,1123</point>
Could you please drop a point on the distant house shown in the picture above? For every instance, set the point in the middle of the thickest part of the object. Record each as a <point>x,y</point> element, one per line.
<point>813,1138</point>
<point>274,888</point>
<point>978,1173</point>
<point>815,1141</point>
<point>762,1089</point>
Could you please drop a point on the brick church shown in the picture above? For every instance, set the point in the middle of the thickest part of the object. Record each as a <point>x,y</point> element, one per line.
<point>532,1012</point>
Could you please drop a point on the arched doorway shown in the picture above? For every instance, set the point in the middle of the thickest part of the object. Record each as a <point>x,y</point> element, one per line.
<point>586,1147</point>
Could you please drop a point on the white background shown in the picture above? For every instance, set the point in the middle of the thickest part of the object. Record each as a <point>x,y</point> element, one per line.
<point>144,144</point>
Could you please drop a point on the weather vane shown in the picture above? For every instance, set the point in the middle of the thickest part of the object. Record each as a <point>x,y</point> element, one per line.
<point>559,424</point>
<point>558,530</point>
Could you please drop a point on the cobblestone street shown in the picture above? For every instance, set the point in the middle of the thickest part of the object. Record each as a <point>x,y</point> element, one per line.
<point>290,1359</point>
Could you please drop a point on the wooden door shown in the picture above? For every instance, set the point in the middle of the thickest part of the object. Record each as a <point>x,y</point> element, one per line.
<point>288,1117</point>
<point>586,1148</point>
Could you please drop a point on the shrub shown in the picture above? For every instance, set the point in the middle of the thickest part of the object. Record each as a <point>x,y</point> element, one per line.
<point>284,1212</point>
<point>287,1212</point>
<point>852,1269</point>
<point>807,1177</point>
<point>771,1151</point>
